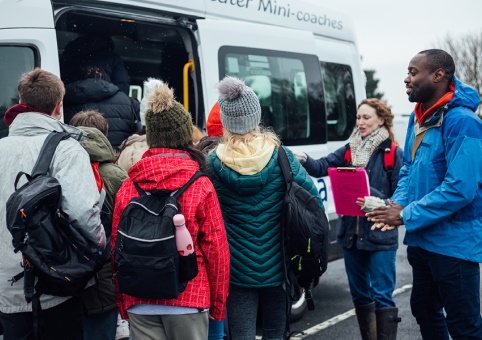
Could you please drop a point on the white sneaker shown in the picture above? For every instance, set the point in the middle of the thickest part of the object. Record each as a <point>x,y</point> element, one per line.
<point>122,332</point>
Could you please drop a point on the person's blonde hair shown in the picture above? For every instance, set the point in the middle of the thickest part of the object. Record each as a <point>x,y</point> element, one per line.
<point>233,141</point>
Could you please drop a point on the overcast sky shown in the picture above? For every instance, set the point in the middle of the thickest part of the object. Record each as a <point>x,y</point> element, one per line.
<point>391,32</point>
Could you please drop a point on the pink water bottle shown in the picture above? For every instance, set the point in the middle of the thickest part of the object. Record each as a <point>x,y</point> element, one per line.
<point>184,242</point>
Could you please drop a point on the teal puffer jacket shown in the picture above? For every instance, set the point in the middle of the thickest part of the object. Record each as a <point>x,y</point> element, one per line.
<point>251,207</point>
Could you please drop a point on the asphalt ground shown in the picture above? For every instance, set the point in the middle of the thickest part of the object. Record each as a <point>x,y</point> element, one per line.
<point>334,317</point>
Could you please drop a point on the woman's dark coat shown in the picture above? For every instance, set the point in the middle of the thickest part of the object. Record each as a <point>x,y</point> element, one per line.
<point>382,185</point>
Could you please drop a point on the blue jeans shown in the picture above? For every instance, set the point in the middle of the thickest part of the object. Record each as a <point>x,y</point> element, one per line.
<point>371,276</point>
<point>243,309</point>
<point>216,330</point>
<point>443,282</point>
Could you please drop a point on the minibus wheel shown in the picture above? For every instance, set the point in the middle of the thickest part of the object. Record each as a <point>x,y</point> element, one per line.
<point>299,307</point>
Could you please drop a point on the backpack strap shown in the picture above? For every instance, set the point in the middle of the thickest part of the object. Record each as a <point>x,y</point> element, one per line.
<point>36,313</point>
<point>416,143</point>
<point>139,190</point>
<point>176,194</point>
<point>46,154</point>
<point>290,280</point>
<point>347,156</point>
<point>389,158</point>
<point>420,132</point>
<point>284,164</point>
<point>389,162</point>
<point>19,175</point>
<point>290,286</point>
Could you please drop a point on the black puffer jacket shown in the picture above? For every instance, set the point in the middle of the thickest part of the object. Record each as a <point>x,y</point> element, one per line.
<point>382,184</point>
<point>94,49</point>
<point>121,112</point>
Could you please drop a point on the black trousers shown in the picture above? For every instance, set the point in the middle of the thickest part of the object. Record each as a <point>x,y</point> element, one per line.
<point>63,321</point>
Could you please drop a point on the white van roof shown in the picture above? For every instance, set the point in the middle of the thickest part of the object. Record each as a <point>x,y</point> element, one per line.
<point>300,14</point>
<point>26,14</point>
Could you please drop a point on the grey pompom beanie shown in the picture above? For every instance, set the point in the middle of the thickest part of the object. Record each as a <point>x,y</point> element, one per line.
<point>240,108</point>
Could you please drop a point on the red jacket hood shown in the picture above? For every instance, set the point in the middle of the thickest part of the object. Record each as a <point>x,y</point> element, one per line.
<point>156,171</point>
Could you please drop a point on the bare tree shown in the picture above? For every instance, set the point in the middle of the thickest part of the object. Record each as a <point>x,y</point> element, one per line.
<point>467,53</point>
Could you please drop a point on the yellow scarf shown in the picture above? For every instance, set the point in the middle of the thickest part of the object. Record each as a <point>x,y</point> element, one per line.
<point>243,160</point>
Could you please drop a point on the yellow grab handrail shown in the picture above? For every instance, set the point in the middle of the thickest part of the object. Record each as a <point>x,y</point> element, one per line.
<point>188,67</point>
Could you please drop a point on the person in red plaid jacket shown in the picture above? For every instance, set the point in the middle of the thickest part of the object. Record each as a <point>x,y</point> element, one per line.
<point>168,164</point>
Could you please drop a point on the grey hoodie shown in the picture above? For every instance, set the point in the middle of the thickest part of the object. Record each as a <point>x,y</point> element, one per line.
<point>80,197</point>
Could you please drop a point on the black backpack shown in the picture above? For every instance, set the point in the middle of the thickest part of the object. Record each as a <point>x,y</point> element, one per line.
<point>304,231</point>
<point>52,249</point>
<point>147,262</point>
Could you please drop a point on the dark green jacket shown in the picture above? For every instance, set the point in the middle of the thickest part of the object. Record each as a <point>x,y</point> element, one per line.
<point>251,207</point>
<point>100,297</point>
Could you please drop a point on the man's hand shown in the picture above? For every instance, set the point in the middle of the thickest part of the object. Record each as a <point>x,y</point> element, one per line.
<point>389,216</point>
<point>382,226</point>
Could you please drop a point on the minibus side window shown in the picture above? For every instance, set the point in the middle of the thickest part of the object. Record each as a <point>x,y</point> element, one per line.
<point>288,86</point>
<point>14,61</point>
<point>339,99</point>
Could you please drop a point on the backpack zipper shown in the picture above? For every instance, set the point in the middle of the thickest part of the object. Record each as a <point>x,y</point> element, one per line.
<point>153,212</point>
<point>34,201</point>
<point>144,240</point>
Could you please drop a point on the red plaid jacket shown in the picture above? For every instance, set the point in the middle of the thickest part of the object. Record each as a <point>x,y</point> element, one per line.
<point>200,206</point>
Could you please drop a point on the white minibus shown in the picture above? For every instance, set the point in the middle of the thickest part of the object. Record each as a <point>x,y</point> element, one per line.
<point>300,58</point>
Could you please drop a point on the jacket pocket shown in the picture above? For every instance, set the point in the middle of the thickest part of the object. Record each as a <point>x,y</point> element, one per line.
<point>341,226</point>
<point>385,238</point>
<point>187,267</point>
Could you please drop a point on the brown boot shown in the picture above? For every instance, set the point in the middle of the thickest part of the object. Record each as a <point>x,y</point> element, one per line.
<point>367,321</point>
<point>387,323</point>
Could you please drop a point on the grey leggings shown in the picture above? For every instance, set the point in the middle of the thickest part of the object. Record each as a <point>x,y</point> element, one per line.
<point>243,308</point>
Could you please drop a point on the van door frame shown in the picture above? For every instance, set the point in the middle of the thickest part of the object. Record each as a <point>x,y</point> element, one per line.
<point>185,26</point>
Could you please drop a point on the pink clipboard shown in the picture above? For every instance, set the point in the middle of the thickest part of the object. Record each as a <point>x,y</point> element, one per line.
<point>347,184</point>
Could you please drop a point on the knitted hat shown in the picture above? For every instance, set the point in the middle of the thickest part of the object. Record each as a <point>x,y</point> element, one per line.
<point>168,125</point>
<point>149,85</point>
<point>240,108</point>
<point>214,126</point>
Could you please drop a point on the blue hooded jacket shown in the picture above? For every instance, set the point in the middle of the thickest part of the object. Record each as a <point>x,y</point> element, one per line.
<point>441,188</point>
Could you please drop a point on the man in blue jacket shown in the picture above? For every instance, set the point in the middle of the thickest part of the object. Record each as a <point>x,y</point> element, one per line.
<point>439,199</point>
